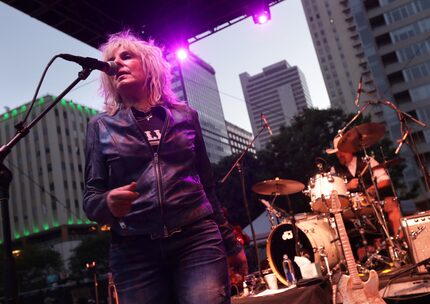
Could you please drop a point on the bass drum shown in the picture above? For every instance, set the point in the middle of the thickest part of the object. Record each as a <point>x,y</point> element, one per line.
<point>314,231</point>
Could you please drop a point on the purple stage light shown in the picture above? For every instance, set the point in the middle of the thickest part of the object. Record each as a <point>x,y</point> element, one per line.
<point>261,17</point>
<point>182,53</point>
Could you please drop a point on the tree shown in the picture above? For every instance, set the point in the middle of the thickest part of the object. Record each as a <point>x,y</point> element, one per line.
<point>230,193</point>
<point>94,248</point>
<point>33,264</point>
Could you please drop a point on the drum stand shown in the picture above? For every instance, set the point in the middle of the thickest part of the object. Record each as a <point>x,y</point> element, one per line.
<point>392,249</point>
<point>297,245</point>
<point>272,212</point>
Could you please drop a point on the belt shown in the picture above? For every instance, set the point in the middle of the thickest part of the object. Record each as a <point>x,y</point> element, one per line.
<point>165,234</point>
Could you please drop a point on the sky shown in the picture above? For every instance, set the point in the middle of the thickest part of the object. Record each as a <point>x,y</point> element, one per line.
<point>28,45</point>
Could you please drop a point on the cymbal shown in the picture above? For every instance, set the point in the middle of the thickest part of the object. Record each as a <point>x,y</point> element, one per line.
<point>389,163</point>
<point>278,186</point>
<point>361,136</point>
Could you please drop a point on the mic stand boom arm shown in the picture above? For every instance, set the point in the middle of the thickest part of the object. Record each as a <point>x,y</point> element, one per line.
<point>407,134</point>
<point>238,164</point>
<point>363,108</point>
<point>11,286</point>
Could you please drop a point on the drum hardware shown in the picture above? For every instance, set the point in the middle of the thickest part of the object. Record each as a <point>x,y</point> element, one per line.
<point>278,187</point>
<point>272,212</point>
<point>313,232</point>
<point>359,138</point>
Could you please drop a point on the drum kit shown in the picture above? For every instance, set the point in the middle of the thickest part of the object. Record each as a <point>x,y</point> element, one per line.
<point>314,235</point>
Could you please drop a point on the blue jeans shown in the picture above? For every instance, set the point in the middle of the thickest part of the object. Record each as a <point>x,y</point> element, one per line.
<point>189,267</point>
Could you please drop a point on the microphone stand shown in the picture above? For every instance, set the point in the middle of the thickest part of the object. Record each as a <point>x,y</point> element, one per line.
<point>407,136</point>
<point>11,286</point>
<point>238,164</point>
<point>405,130</point>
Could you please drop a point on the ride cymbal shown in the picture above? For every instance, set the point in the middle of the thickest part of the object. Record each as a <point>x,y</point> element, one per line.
<point>361,136</point>
<point>389,163</point>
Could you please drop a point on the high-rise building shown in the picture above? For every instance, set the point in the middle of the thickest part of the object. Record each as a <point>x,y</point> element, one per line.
<point>279,92</point>
<point>47,165</point>
<point>194,81</point>
<point>239,138</point>
<point>339,50</point>
<point>390,39</point>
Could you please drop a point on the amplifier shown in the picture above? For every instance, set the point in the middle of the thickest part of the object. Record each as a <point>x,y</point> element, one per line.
<point>416,228</point>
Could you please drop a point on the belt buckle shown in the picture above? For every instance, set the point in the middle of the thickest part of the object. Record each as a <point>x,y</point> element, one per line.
<point>165,234</point>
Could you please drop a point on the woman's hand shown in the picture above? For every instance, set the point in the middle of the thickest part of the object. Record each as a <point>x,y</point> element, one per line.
<point>119,199</point>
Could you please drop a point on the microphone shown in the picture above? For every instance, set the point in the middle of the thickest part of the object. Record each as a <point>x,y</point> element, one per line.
<point>359,89</point>
<point>401,141</point>
<point>110,67</point>
<point>266,123</point>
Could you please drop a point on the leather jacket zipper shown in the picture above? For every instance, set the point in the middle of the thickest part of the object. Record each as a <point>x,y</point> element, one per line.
<point>159,184</point>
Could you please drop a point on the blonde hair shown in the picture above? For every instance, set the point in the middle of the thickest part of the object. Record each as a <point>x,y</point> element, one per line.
<point>158,81</point>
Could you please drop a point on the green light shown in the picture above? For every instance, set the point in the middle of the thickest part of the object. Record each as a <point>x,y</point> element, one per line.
<point>23,108</point>
<point>14,112</point>
<point>71,104</point>
<point>45,226</point>
<point>94,112</point>
<point>1,241</point>
<point>63,102</point>
<point>17,235</point>
<point>79,107</point>
<point>87,109</point>
<point>6,116</point>
<point>79,221</point>
<point>36,230</point>
<point>87,221</point>
<point>70,221</point>
<point>41,100</point>
<point>26,232</point>
<point>55,224</point>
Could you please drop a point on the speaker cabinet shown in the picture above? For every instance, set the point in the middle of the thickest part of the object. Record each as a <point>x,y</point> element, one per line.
<point>416,228</point>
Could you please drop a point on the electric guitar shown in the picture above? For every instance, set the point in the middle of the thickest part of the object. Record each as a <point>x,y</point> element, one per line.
<point>351,288</point>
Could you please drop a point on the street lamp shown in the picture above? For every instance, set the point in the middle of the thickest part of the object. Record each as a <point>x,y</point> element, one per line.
<point>92,266</point>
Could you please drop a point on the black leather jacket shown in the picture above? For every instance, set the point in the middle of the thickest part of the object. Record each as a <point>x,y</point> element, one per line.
<point>175,182</point>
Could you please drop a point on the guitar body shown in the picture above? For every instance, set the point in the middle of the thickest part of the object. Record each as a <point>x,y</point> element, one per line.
<point>369,294</point>
<point>351,288</point>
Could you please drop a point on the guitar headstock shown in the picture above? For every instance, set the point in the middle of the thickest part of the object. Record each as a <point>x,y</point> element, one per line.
<point>335,206</point>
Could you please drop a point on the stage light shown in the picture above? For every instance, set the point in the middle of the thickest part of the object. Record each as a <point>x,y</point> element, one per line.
<point>260,12</point>
<point>262,17</point>
<point>182,53</point>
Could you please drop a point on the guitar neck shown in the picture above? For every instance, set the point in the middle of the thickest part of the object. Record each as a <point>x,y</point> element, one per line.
<point>349,256</point>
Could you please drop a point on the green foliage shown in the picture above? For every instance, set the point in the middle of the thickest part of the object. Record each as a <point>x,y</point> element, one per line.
<point>33,264</point>
<point>95,248</point>
<point>230,192</point>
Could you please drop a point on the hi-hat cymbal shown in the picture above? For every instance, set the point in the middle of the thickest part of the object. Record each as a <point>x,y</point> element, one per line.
<point>278,186</point>
<point>389,163</point>
<point>361,136</point>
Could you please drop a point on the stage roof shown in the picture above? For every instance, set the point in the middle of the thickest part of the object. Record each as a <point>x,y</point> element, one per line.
<point>164,20</point>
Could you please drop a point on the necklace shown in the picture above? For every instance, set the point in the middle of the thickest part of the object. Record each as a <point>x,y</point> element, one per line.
<point>148,116</point>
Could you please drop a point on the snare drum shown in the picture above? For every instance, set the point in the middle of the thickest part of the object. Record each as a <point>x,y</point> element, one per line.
<point>313,231</point>
<point>359,205</point>
<point>320,187</point>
